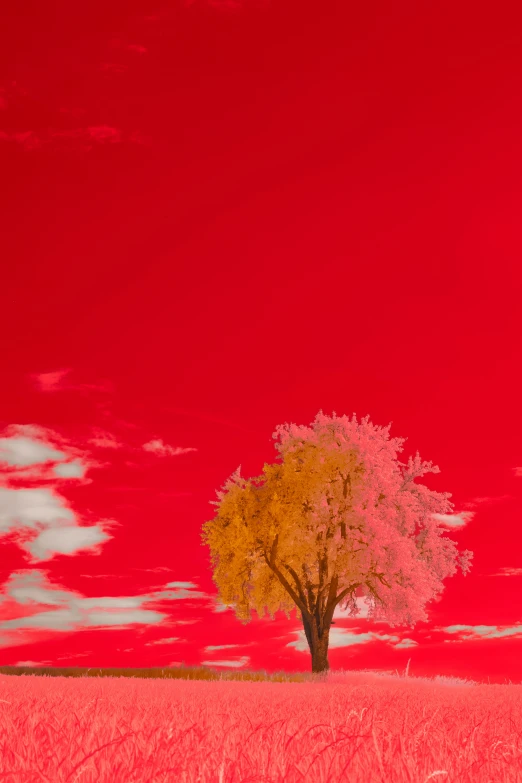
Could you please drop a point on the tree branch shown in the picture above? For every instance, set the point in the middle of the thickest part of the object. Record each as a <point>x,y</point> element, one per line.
<point>330,601</point>
<point>298,584</point>
<point>273,551</point>
<point>345,592</point>
<point>309,587</point>
<point>288,587</point>
<point>373,592</point>
<point>300,599</point>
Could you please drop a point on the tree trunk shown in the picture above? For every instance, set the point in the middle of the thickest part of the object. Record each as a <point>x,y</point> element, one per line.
<point>318,644</point>
<point>320,663</point>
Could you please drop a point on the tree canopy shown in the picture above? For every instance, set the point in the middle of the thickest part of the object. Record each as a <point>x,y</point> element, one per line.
<point>336,512</point>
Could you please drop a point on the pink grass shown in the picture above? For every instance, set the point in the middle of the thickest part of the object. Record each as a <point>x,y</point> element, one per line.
<point>356,727</point>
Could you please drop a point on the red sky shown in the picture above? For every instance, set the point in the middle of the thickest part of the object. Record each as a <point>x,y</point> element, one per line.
<point>221,216</point>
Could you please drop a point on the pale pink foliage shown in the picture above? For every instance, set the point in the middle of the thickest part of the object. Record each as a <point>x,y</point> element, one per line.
<point>404,539</point>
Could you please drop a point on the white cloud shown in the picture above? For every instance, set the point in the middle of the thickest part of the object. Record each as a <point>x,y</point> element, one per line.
<point>74,655</point>
<point>230,664</point>
<point>468,632</point>
<point>28,448</point>
<point>113,602</point>
<point>141,616</point>
<point>179,594</point>
<point>181,584</point>
<point>28,507</point>
<point>162,449</point>
<point>30,588</point>
<point>103,576</point>
<point>404,643</point>
<point>70,619</point>
<point>36,508</point>
<point>517,471</point>
<point>33,664</point>
<point>66,540</point>
<point>73,611</point>
<point>170,640</point>
<point>454,520</point>
<point>155,570</point>
<point>70,469</point>
<point>53,620</point>
<point>507,571</point>
<point>21,452</point>
<point>362,606</point>
<point>104,440</point>
<point>219,607</point>
<point>342,637</point>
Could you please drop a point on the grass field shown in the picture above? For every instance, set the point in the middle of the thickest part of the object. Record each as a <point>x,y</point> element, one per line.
<point>189,725</point>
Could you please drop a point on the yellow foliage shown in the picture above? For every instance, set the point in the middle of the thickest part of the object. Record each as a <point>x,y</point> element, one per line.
<point>279,520</point>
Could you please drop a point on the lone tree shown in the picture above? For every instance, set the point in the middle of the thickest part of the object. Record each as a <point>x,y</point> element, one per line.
<point>338,512</point>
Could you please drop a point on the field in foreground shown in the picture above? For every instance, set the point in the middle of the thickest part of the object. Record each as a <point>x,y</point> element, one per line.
<point>354,727</point>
